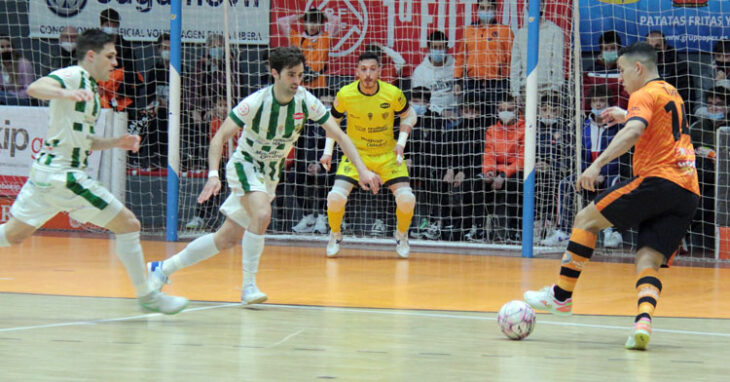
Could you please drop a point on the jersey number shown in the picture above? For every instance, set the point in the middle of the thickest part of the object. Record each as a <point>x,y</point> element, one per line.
<point>678,127</point>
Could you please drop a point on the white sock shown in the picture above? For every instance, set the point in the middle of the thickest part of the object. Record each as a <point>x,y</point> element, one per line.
<point>253,246</point>
<point>129,251</point>
<point>198,250</point>
<point>3,239</point>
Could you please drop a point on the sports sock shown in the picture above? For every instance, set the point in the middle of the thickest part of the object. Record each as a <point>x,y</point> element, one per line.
<point>198,250</point>
<point>648,288</point>
<point>253,246</point>
<point>129,251</point>
<point>579,252</point>
<point>403,219</point>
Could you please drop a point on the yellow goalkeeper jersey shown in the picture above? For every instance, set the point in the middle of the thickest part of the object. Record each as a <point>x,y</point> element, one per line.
<point>370,117</point>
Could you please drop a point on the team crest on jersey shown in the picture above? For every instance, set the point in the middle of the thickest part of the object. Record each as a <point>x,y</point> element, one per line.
<point>370,116</point>
<point>298,115</point>
<point>384,105</point>
<point>385,115</point>
<point>243,109</point>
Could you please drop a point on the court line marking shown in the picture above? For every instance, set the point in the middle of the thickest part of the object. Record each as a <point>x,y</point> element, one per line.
<point>351,310</point>
<point>116,319</point>
<point>287,338</point>
<point>465,317</point>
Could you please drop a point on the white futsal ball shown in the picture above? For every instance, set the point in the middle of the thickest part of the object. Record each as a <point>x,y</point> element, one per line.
<point>516,319</point>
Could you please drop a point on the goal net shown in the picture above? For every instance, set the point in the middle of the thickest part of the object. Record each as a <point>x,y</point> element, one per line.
<point>460,63</point>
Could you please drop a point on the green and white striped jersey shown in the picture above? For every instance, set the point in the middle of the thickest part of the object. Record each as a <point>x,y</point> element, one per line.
<point>71,124</point>
<point>270,129</point>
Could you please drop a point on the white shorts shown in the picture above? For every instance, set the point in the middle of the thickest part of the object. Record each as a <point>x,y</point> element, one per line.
<point>47,193</point>
<point>243,177</point>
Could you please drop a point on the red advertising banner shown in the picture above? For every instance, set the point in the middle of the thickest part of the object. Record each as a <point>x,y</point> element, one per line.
<point>402,25</point>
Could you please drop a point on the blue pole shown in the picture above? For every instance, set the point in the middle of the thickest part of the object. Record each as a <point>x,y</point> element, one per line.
<point>528,201</point>
<point>173,127</point>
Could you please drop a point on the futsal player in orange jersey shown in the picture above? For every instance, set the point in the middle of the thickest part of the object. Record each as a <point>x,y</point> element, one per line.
<point>660,200</point>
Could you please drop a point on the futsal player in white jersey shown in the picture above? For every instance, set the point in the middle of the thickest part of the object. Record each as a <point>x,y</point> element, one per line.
<point>57,180</point>
<point>271,119</point>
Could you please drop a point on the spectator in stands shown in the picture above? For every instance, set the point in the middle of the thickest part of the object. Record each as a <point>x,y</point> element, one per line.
<point>67,44</point>
<point>711,117</point>
<point>673,69</point>
<point>553,156</point>
<point>436,73</point>
<point>314,39</point>
<point>550,72</point>
<point>391,63</point>
<point>120,91</point>
<point>425,159</point>
<point>595,138</point>
<point>309,178</point>
<point>484,55</point>
<point>16,73</point>
<point>154,138</point>
<point>603,70</point>
<point>721,55</point>
<point>206,213</point>
<point>502,167</point>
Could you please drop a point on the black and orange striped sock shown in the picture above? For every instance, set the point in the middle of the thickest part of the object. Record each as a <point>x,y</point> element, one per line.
<point>580,249</point>
<point>648,287</point>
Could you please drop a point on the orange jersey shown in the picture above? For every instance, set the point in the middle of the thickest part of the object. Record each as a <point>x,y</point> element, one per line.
<point>485,51</point>
<point>504,148</point>
<point>316,52</point>
<point>664,149</point>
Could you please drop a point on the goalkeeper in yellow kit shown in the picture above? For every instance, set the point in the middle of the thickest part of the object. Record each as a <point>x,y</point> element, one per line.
<point>371,106</point>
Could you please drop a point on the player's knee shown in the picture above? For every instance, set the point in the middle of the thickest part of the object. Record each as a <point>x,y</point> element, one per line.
<point>336,200</point>
<point>15,238</point>
<point>586,220</point>
<point>404,199</point>
<point>261,217</point>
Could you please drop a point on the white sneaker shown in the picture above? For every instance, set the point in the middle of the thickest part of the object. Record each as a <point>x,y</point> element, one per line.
<point>612,239</point>
<point>195,223</point>
<point>401,245</point>
<point>252,295</point>
<point>159,302</point>
<point>321,224</point>
<point>156,279</point>
<point>544,299</point>
<point>433,231</point>
<point>555,239</point>
<point>333,247</point>
<point>378,228</point>
<point>306,225</point>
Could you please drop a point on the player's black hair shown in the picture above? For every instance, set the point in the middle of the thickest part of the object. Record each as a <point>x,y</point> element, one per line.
<point>642,52</point>
<point>91,39</point>
<point>284,57</point>
<point>368,55</point>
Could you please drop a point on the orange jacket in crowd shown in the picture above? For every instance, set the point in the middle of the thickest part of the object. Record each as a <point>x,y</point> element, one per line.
<point>486,51</point>
<point>316,52</point>
<point>110,90</point>
<point>503,148</point>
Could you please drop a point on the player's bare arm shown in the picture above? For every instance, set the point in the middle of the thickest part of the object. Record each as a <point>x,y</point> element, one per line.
<point>47,88</point>
<point>329,147</point>
<point>614,115</point>
<point>125,142</point>
<point>408,120</point>
<point>213,185</point>
<point>368,179</point>
<point>621,143</point>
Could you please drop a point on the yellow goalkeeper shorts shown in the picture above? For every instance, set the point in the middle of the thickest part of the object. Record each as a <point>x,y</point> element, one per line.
<point>385,165</point>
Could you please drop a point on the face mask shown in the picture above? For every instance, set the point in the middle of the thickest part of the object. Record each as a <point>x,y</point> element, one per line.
<point>216,52</point>
<point>485,16</point>
<point>419,109</point>
<point>610,57</point>
<point>704,113</point>
<point>597,112</point>
<point>68,46</point>
<point>165,54</point>
<point>7,56</point>
<point>506,116</point>
<point>438,55</point>
<point>549,121</point>
<point>110,30</point>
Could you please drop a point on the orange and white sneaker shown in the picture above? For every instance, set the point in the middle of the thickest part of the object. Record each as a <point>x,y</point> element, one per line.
<point>639,337</point>
<point>544,299</point>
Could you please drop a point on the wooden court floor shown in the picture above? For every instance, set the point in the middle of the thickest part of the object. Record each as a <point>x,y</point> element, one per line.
<point>67,315</point>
